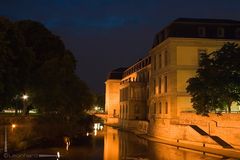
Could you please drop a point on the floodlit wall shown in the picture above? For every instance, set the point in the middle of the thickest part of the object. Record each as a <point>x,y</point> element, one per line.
<point>174,61</point>
<point>112,95</point>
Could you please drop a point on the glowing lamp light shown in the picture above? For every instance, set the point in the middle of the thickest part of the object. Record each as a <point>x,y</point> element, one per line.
<point>25,97</point>
<point>95,132</point>
<point>95,126</point>
<point>58,154</point>
<point>13,125</point>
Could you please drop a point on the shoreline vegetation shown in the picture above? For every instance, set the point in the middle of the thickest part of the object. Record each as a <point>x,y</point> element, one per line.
<point>46,131</point>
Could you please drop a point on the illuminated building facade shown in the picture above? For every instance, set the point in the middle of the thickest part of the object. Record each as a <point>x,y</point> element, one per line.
<point>112,95</point>
<point>154,88</point>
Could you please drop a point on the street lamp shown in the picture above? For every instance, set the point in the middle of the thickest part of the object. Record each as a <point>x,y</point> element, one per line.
<point>25,97</point>
<point>13,125</point>
<point>6,136</point>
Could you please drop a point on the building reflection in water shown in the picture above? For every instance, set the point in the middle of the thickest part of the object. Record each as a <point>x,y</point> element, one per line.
<point>111,143</point>
<point>124,145</point>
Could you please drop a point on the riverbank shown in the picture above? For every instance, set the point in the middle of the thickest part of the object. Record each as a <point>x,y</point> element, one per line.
<point>222,152</point>
<point>41,131</point>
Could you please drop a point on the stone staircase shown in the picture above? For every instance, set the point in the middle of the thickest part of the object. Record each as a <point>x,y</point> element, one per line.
<point>199,130</point>
<point>217,139</point>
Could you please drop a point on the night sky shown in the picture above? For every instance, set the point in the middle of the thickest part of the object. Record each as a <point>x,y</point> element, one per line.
<point>107,34</point>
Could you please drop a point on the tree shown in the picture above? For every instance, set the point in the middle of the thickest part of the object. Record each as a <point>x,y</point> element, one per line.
<point>217,83</point>
<point>36,62</point>
<point>99,100</point>
<point>54,86</point>
<point>15,63</point>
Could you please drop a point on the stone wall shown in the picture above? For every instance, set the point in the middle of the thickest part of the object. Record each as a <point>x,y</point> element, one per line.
<point>112,120</point>
<point>227,127</point>
<point>137,126</point>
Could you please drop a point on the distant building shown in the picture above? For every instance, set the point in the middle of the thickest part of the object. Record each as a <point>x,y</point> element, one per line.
<point>112,94</point>
<point>154,88</point>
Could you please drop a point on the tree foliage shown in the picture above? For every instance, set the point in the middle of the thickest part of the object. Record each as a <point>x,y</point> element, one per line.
<point>35,61</point>
<point>217,83</point>
<point>99,100</point>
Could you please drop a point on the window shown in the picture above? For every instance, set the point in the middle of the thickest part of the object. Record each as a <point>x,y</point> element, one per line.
<point>201,31</point>
<point>165,84</point>
<point>166,108</point>
<point>166,32</point>
<point>154,62</point>
<point>154,108</point>
<point>159,85</point>
<point>154,86</point>
<point>114,113</point>
<point>237,33</point>
<point>136,109</point>
<point>165,58</point>
<point>200,52</point>
<point>220,32</point>
<point>120,111</point>
<point>148,92</point>
<point>147,77</point>
<point>160,61</point>
<point>160,107</point>
<point>123,111</point>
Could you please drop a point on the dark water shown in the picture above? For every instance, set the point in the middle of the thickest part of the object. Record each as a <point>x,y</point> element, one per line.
<point>111,144</point>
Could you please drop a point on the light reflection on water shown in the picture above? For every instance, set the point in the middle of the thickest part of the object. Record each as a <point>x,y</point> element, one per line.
<point>112,144</point>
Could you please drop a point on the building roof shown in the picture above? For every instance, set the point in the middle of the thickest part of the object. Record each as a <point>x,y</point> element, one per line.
<point>190,28</point>
<point>116,73</point>
<point>206,20</point>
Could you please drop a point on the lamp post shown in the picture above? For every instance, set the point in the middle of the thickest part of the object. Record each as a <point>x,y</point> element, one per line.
<point>5,139</point>
<point>6,136</point>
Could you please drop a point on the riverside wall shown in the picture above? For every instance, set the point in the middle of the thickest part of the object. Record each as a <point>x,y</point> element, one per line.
<point>225,126</point>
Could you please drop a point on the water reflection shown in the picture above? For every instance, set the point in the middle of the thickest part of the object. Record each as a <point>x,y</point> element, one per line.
<point>123,145</point>
<point>112,144</point>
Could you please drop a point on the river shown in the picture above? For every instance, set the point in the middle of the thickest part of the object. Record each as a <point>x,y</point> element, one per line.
<point>108,143</point>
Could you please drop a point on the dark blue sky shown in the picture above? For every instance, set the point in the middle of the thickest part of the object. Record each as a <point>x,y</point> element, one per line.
<point>106,34</point>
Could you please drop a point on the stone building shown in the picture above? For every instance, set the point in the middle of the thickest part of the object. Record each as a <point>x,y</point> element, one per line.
<point>152,92</point>
<point>112,95</point>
